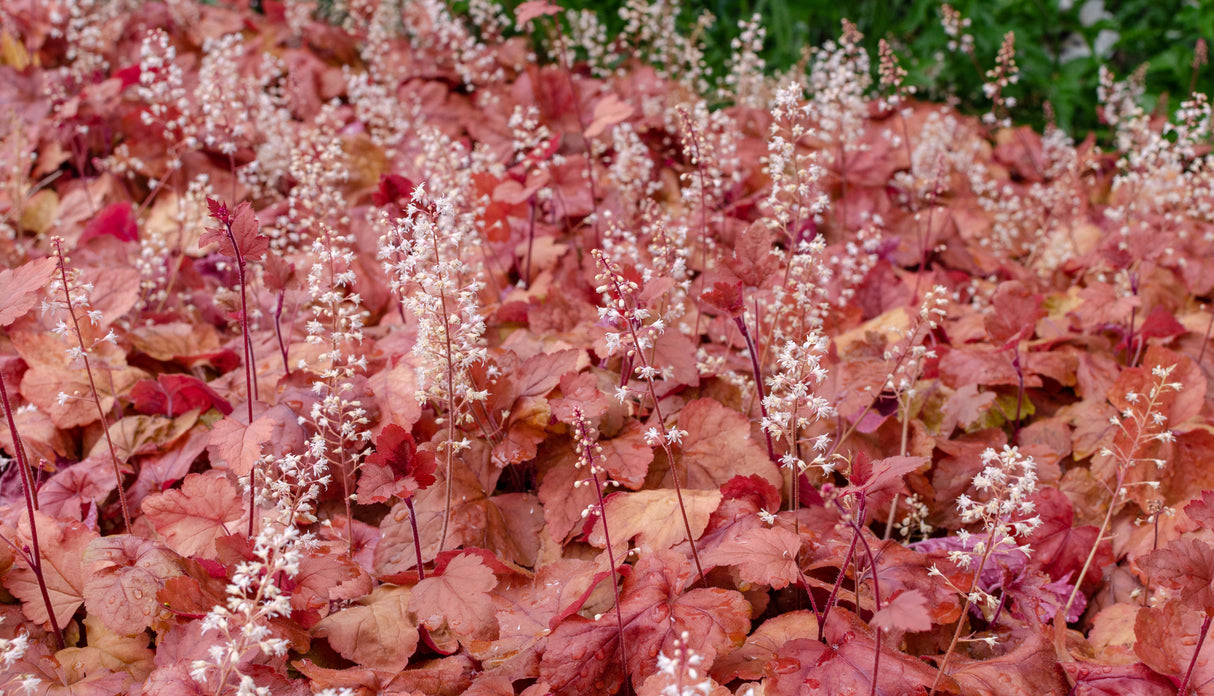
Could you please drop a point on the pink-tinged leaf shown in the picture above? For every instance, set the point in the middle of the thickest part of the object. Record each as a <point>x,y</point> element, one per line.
<point>123,575</point>
<point>458,599</point>
<point>191,519</point>
<point>762,644</point>
<point>653,517</point>
<point>609,111</point>
<point>19,287</point>
<point>657,610</point>
<point>905,611</point>
<point>1187,565</point>
<point>531,9</point>
<point>175,394</point>
<point>1013,314</point>
<point>844,665</point>
<point>393,188</point>
<point>718,447</point>
<point>762,555</point>
<point>627,456</point>
<point>377,632</point>
<point>872,477</point>
<point>62,545</point>
<point>1201,509</point>
<point>1030,668</point>
<point>237,445</point>
<point>1094,679</point>
<point>70,492</point>
<point>116,220</point>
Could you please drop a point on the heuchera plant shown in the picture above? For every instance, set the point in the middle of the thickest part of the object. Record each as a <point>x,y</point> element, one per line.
<point>388,351</point>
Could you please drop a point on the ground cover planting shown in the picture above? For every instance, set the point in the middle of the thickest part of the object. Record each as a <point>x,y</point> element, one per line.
<point>371,348</point>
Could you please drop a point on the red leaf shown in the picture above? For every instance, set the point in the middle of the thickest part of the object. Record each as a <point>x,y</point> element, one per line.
<point>19,287</point>
<point>172,395</point>
<point>62,546</point>
<point>396,468</point>
<point>393,188</point>
<point>654,517</point>
<point>115,220</point>
<point>726,297</point>
<point>763,556</point>
<point>905,611</point>
<point>458,599</point>
<point>1013,313</point>
<point>718,447</point>
<point>1187,565</point>
<point>123,576</point>
<point>609,111</point>
<point>377,633</point>
<point>240,227</point>
<point>191,519</point>
<point>237,445</point>
<point>656,611</point>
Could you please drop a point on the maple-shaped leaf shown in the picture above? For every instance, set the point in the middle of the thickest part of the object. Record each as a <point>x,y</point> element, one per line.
<point>748,660</point>
<point>378,632</point>
<point>580,391</point>
<point>1030,668</point>
<point>844,664</point>
<point>237,445</point>
<point>905,611</point>
<point>124,573</point>
<point>762,555</point>
<point>116,220</point>
<point>627,456</point>
<point>190,519</point>
<point>717,447</point>
<point>327,577</point>
<point>753,261</point>
<point>458,599</point>
<point>654,517</point>
<point>109,652</point>
<point>1013,313</point>
<point>1201,509</point>
<point>1059,547</point>
<point>873,477</point>
<point>396,468</point>
<point>239,227</point>
<point>726,297</point>
<point>531,9</point>
<point>1117,680</point>
<point>1187,565</point>
<point>608,111</point>
<point>62,545</point>
<point>174,394</point>
<point>657,609</point>
<point>19,287</point>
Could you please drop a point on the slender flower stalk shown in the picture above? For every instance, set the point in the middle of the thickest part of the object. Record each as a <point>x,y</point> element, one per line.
<point>630,318</point>
<point>588,448</point>
<point>75,297</point>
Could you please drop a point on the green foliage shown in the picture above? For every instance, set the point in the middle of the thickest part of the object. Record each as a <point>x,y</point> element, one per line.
<point>1161,33</point>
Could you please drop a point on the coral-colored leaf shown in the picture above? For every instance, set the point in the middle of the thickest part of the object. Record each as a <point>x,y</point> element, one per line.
<point>458,599</point>
<point>377,632</point>
<point>1188,566</point>
<point>63,545</point>
<point>654,518</point>
<point>905,611</point>
<point>191,519</point>
<point>531,9</point>
<point>19,287</point>
<point>1013,313</point>
<point>124,573</point>
<point>609,111</point>
<point>763,556</point>
<point>238,445</point>
<point>718,447</point>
